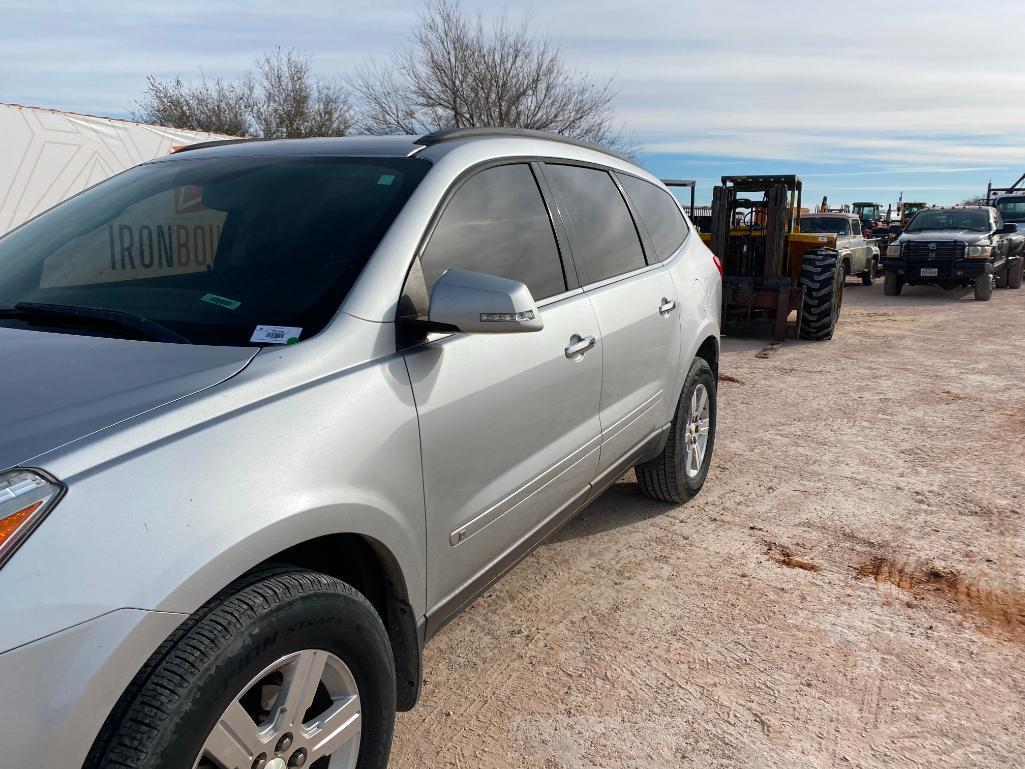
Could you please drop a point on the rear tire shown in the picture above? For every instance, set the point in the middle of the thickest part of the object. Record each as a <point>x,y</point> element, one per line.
<point>1015,274</point>
<point>1000,278</point>
<point>892,284</point>
<point>822,277</point>
<point>671,476</point>
<point>984,287</point>
<point>868,278</point>
<point>270,634</point>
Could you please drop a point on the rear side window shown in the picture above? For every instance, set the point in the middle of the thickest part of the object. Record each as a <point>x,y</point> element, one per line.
<point>605,241</point>
<point>660,214</point>
<point>497,223</point>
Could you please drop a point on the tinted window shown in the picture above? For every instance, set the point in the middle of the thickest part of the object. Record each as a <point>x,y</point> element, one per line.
<point>660,214</point>
<point>211,248</point>
<point>497,223</point>
<point>605,242</point>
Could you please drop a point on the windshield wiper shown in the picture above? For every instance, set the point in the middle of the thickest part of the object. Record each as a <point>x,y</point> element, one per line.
<point>72,316</point>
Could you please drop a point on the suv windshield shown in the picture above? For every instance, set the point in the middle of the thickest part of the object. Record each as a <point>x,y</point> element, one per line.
<point>210,248</point>
<point>836,225</point>
<point>1012,209</point>
<point>951,219</point>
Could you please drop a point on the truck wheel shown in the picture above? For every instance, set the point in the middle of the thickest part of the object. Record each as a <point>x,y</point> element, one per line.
<point>1000,278</point>
<point>892,284</point>
<point>678,473</point>
<point>286,667</point>
<point>1015,273</point>
<point>869,276</point>
<point>823,279</point>
<point>984,287</point>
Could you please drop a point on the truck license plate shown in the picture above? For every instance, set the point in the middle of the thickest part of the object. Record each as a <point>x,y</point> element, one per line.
<point>929,272</point>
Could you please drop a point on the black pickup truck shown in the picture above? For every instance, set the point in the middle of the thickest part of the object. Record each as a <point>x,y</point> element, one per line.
<point>958,246</point>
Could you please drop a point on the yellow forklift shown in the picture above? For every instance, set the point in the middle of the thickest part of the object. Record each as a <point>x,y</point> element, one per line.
<point>772,269</point>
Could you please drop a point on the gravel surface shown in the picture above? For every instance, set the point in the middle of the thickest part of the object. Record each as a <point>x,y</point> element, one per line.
<point>848,589</point>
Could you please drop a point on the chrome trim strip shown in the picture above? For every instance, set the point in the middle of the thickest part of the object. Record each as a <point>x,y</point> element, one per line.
<point>522,494</point>
<point>558,297</point>
<point>624,276</point>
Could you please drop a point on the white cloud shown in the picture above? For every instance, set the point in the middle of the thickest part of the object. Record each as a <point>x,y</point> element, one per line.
<point>918,83</point>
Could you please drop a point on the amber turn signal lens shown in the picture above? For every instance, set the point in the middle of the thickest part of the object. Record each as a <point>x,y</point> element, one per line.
<point>12,523</point>
<point>26,496</point>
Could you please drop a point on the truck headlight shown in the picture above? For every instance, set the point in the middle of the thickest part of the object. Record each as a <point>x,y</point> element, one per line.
<point>26,496</point>
<point>893,249</point>
<point>979,252</point>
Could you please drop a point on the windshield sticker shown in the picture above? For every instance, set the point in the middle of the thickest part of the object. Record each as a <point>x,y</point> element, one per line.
<point>276,334</point>
<point>385,180</point>
<point>221,301</point>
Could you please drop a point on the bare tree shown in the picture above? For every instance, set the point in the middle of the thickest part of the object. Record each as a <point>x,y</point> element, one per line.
<point>217,107</point>
<point>461,72</point>
<point>284,99</point>
<point>293,103</point>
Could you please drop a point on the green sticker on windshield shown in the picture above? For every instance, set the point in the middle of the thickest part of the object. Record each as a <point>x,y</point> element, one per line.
<point>386,179</point>
<point>221,301</point>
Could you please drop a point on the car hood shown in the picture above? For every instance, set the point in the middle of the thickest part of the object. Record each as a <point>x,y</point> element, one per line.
<point>56,388</point>
<point>936,236</point>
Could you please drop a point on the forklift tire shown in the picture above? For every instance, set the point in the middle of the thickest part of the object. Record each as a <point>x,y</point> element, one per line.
<point>1015,273</point>
<point>823,277</point>
<point>984,287</point>
<point>892,284</point>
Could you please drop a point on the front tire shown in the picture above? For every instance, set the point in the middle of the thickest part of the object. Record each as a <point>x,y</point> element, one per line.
<point>984,287</point>
<point>284,664</point>
<point>679,472</point>
<point>892,284</point>
<point>823,277</point>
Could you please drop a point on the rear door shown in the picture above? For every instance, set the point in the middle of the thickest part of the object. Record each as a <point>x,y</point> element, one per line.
<point>508,422</point>
<point>635,302</point>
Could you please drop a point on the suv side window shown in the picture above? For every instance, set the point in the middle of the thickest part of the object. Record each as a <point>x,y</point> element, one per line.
<point>659,213</point>
<point>605,239</point>
<point>497,223</point>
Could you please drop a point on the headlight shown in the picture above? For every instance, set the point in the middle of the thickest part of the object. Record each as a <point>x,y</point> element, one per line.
<point>979,252</point>
<point>26,497</point>
<point>893,250</point>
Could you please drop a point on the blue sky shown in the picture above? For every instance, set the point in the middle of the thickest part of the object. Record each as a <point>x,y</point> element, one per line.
<point>864,100</point>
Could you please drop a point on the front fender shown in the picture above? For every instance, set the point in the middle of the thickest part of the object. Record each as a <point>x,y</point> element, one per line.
<point>176,517</point>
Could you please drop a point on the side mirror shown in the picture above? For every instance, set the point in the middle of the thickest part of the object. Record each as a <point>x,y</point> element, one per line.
<point>476,303</point>
<point>1010,228</point>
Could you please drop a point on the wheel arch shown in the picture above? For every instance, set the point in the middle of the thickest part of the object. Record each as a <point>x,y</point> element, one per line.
<point>371,568</point>
<point>708,350</point>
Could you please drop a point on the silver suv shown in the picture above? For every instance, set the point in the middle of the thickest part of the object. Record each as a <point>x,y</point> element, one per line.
<point>274,412</point>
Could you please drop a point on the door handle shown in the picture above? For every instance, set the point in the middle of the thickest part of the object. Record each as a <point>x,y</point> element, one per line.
<point>667,306</point>
<point>582,345</point>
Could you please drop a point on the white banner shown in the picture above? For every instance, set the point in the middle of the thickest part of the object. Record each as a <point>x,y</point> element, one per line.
<point>47,156</point>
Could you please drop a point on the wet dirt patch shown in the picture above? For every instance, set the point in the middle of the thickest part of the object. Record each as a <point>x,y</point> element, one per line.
<point>784,556</point>
<point>999,609</point>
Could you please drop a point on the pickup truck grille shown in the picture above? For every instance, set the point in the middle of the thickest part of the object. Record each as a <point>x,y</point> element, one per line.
<point>921,251</point>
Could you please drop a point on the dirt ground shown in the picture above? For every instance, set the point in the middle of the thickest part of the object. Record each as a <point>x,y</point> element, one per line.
<point>848,590</point>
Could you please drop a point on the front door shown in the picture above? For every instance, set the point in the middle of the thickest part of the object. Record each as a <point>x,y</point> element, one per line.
<point>508,422</point>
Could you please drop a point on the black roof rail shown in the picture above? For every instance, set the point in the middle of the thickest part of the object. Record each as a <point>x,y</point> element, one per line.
<point>451,134</point>
<point>213,143</point>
